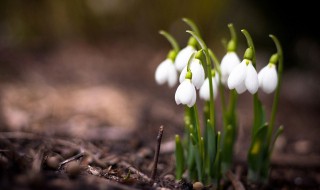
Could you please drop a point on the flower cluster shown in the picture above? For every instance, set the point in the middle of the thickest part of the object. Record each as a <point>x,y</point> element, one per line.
<point>210,155</point>
<point>237,75</point>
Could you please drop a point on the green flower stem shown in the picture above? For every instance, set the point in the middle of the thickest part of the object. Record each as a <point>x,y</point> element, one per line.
<point>221,89</point>
<point>192,25</point>
<point>190,60</point>
<point>233,33</point>
<point>208,61</point>
<point>250,44</point>
<point>256,117</point>
<point>233,43</point>
<point>171,40</point>
<point>277,93</point>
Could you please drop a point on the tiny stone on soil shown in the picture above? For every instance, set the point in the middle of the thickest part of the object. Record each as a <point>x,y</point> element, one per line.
<point>73,169</point>
<point>302,147</point>
<point>53,162</point>
<point>197,186</point>
<point>169,177</point>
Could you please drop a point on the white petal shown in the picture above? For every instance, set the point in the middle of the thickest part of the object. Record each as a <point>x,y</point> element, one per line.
<point>261,74</point>
<point>205,90</point>
<point>228,63</point>
<point>217,78</point>
<point>270,79</point>
<point>183,74</point>
<point>198,74</point>
<point>241,88</point>
<point>172,75</point>
<point>183,57</point>
<point>161,74</point>
<point>237,75</point>
<point>251,81</point>
<point>194,98</point>
<point>184,93</point>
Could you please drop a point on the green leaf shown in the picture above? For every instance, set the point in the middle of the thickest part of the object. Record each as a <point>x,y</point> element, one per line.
<point>259,115</point>
<point>217,162</point>
<point>211,147</point>
<point>278,133</point>
<point>179,158</point>
<point>227,148</point>
<point>258,153</point>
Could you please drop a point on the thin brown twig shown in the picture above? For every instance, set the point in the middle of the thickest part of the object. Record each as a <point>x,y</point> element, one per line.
<point>235,182</point>
<point>156,154</point>
<point>71,159</point>
<point>134,170</point>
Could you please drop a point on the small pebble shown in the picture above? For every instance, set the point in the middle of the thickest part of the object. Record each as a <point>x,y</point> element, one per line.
<point>169,177</point>
<point>53,162</point>
<point>197,186</point>
<point>302,147</point>
<point>73,169</point>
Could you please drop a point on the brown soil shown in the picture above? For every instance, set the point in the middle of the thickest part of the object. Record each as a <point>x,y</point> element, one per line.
<point>79,116</point>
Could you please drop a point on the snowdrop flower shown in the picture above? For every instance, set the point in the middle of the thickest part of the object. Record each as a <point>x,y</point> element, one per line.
<point>166,72</point>
<point>268,78</point>
<point>186,92</point>
<point>244,77</point>
<point>228,63</point>
<point>198,74</point>
<point>184,54</point>
<point>204,92</point>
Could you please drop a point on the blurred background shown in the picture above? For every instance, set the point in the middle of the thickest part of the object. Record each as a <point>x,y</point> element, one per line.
<point>91,63</point>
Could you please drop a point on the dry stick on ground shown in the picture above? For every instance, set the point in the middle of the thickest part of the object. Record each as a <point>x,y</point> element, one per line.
<point>156,154</point>
<point>235,182</point>
<point>134,170</point>
<point>71,159</point>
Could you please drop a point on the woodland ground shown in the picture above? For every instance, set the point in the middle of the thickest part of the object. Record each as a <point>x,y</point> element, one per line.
<point>100,106</point>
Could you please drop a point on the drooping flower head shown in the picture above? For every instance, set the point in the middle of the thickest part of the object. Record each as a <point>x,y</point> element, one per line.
<point>268,77</point>
<point>184,54</point>
<point>198,74</point>
<point>244,76</point>
<point>231,59</point>
<point>228,63</point>
<point>166,71</point>
<point>186,92</point>
<point>204,92</point>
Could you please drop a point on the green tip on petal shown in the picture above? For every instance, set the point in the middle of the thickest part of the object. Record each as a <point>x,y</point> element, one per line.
<point>248,54</point>
<point>199,54</point>
<point>188,75</point>
<point>274,58</point>
<point>213,72</point>
<point>172,55</point>
<point>192,42</point>
<point>232,46</point>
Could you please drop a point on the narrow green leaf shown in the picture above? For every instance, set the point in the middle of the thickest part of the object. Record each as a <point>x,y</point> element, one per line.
<point>259,115</point>
<point>258,153</point>
<point>179,158</point>
<point>227,145</point>
<point>278,133</point>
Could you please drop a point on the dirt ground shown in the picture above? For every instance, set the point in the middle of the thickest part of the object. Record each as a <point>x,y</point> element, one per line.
<point>100,106</point>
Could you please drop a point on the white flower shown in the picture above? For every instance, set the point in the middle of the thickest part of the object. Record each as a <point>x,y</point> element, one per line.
<point>198,74</point>
<point>166,72</point>
<point>268,78</point>
<point>228,63</point>
<point>183,57</point>
<point>205,89</point>
<point>244,77</point>
<point>186,93</point>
